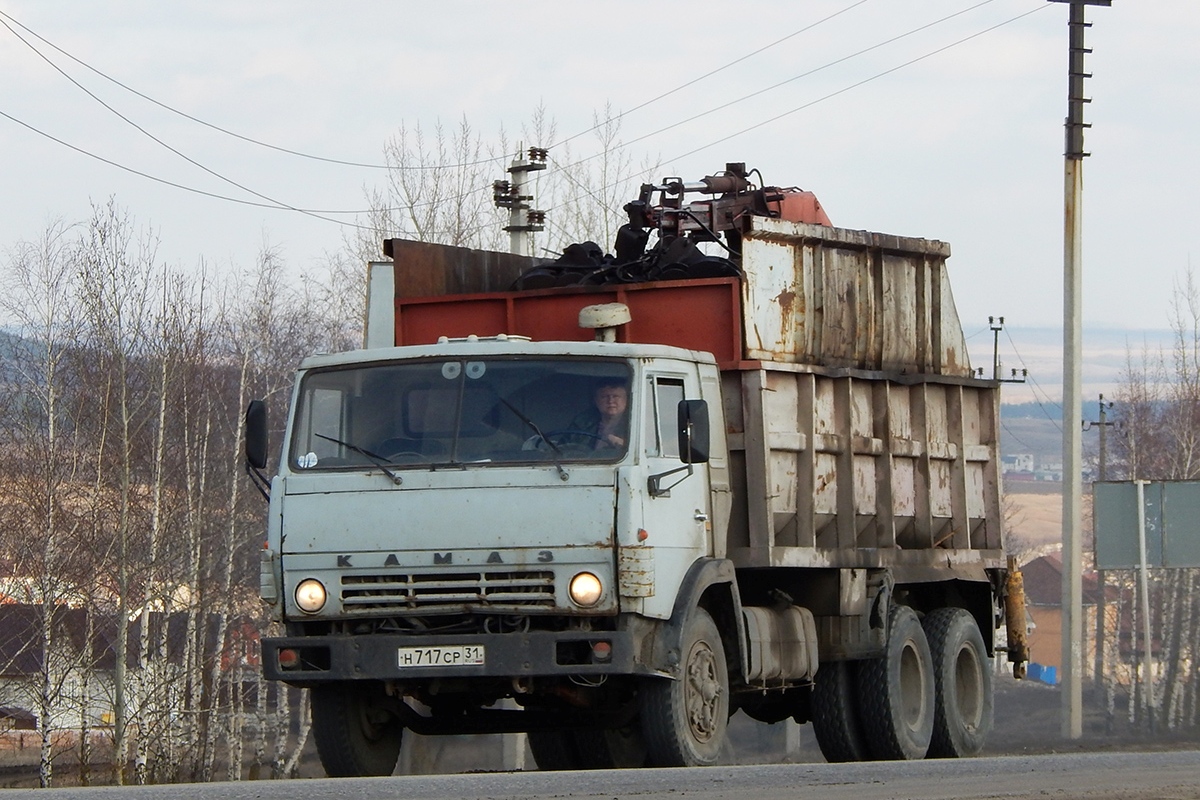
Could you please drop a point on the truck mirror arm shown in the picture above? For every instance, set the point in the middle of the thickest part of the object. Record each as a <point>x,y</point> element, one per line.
<point>259,480</point>
<point>654,482</point>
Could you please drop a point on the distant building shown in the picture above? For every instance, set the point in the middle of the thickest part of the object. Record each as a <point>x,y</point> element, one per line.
<point>1043,601</point>
<point>73,658</point>
<point>1050,471</point>
<point>23,659</point>
<point>1017,462</point>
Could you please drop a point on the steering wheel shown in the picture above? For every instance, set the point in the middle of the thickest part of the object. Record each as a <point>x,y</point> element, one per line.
<point>404,454</point>
<point>551,440</point>
<point>408,450</point>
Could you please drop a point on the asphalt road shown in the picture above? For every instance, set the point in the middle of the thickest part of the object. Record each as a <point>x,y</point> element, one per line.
<point>1094,776</point>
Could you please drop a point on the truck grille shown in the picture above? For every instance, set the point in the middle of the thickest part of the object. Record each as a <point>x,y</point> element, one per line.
<point>497,591</point>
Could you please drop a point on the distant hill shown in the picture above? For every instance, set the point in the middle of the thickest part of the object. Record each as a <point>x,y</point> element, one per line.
<point>8,345</point>
<point>1041,437</point>
<point>1031,410</point>
<point>1037,428</point>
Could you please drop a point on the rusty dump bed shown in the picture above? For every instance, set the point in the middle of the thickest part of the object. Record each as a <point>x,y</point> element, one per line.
<point>810,295</point>
<point>858,437</point>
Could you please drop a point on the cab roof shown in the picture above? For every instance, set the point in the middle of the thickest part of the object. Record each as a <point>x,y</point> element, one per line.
<point>506,346</point>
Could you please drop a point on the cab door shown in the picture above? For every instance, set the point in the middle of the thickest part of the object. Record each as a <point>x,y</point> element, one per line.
<point>676,517</point>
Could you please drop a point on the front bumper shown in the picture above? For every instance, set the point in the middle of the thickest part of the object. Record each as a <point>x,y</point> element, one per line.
<point>376,656</point>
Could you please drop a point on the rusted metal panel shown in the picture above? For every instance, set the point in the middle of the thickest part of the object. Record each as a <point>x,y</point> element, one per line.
<point>426,270</point>
<point>857,463</point>
<point>839,298</point>
<point>811,294</point>
<point>700,315</point>
<point>635,566</point>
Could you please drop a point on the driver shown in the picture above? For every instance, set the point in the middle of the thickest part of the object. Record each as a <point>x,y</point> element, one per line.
<point>608,420</point>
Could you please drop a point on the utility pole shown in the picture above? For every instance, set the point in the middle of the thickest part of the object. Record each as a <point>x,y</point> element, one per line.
<point>1072,547</point>
<point>1101,588</point>
<point>997,325</point>
<point>523,219</point>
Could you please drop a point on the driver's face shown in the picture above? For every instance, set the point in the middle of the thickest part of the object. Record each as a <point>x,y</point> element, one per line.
<point>612,401</point>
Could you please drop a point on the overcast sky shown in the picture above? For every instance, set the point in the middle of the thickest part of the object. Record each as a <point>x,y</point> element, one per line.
<point>964,145</point>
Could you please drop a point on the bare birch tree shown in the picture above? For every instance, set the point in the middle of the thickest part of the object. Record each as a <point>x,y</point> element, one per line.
<point>1159,414</point>
<point>117,269</point>
<point>41,460</point>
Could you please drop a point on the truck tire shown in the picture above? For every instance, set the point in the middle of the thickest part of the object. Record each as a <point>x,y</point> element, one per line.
<point>622,748</point>
<point>962,684</point>
<point>554,750</point>
<point>684,720</point>
<point>355,736</point>
<point>617,748</point>
<point>835,716</point>
<point>896,692</point>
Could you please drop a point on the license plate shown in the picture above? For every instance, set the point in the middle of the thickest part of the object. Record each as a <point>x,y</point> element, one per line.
<point>463,655</point>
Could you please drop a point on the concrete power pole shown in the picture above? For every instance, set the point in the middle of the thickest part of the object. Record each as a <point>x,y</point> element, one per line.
<point>1101,588</point>
<point>515,195</point>
<point>1072,552</point>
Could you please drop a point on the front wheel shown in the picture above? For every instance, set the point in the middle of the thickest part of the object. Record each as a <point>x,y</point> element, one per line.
<point>616,748</point>
<point>355,735</point>
<point>684,720</point>
<point>554,750</point>
<point>620,748</point>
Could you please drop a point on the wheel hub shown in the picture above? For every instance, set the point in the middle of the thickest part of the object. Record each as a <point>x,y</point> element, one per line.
<point>702,692</point>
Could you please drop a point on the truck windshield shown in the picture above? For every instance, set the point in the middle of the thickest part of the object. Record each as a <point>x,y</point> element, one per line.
<point>458,412</point>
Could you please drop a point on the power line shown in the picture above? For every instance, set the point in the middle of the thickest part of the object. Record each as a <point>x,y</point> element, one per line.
<point>822,99</point>
<point>1009,431</point>
<point>184,114</point>
<point>154,138</point>
<point>366,165</point>
<point>809,73</point>
<point>310,212</point>
<point>976,333</point>
<point>831,95</point>
<point>315,213</point>
<point>863,82</point>
<point>710,73</point>
<point>1036,386</point>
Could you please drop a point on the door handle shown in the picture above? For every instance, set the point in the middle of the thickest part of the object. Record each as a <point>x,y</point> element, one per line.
<point>700,516</point>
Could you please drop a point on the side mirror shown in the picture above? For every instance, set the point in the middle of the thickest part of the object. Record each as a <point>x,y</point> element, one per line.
<point>256,434</point>
<point>694,442</point>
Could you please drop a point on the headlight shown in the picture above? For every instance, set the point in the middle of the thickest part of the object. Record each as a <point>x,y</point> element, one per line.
<point>585,589</point>
<point>310,595</point>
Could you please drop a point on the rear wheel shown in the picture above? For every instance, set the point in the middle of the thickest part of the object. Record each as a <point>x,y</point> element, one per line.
<point>896,692</point>
<point>835,713</point>
<point>684,720</point>
<point>355,735</point>
<point>963,684</point>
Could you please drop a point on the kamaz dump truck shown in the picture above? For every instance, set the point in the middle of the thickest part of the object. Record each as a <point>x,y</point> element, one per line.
<point>796,514</point>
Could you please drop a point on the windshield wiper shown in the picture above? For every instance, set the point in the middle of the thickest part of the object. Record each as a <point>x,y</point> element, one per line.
<point>562,473</point>
<point>377,460</point>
